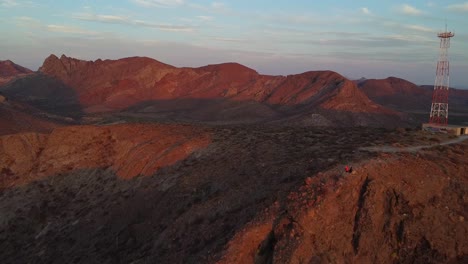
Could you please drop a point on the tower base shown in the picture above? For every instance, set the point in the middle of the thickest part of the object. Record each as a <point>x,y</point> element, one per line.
<point>447,129</point>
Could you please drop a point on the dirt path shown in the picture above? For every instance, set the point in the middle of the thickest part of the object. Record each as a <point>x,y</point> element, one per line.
<point>390,149</point>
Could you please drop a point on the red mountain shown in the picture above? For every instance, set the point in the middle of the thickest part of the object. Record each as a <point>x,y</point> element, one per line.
<point>458,99</point>
<point>401,95</point>
<point>10,70</point>
<point>220,92</point>
<point>397,93</point>
<point>117,84</point>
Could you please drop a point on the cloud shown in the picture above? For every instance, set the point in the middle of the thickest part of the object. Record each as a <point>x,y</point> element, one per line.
<point>410,10</point>
<point>287,19</point>
<point>419,28</point>
<point>214,7</point>
<point>462,7</point>
<point>365,11</point>
<point>164,27</point>
<point>9,3</point>
<point>205,18</point>
<point>16,3</point>
<point>159,3</point>
<point>112,19</point>
<point>218,5</point>
<point>238,40</point>
<point>27,19</point>
<point>102,18</point>
<point>70,29</point>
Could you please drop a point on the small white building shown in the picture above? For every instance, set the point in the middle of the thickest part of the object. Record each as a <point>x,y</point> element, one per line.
<point>449,129</point>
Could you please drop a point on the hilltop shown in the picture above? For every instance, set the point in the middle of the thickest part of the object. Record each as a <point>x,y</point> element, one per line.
<point>9,71</point>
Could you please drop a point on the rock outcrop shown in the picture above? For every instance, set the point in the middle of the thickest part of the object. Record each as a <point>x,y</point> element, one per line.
<point>401,208</point>
<point>128,150</point>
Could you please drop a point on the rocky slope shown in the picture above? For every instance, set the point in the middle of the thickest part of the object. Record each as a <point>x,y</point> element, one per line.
<point>232,194</point>
<point>16,117</point>
<point>144,85</point>
<point>128,150</point>
<point>10,71</point>
<point>397,93</point>
<point>399,208</point>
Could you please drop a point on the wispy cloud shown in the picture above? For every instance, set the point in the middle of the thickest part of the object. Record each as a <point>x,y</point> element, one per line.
<point>229,39</point>
<point>27,19</point>
<point>214,7</point>
<point>164,27</point>
<point>70,29</point>
<point>16,3</point>
<point>462,7</point>
<point>419,28</point>
<point>410,10</point>
<point>286,19</point>
<point>205,18</point>
<point>159,3</point>
<point>9,3</point>
<point>218,5</point>
<point>365,11</point>
<point>102,18</point>
<point>113,19</point>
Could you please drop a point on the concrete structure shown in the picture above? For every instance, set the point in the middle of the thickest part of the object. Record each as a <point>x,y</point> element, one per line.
<point>449,129</point>
<point>439,107</point>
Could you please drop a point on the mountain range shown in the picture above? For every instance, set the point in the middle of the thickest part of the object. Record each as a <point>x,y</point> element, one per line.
<point>137,161</point>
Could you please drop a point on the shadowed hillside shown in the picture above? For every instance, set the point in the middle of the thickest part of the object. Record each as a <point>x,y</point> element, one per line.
<point>404,96</point>
<point>48,94</point>
<point>18,117</point>
<point>229,194</point>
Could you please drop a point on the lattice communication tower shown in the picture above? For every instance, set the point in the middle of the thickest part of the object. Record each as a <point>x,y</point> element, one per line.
<point>439,108</point>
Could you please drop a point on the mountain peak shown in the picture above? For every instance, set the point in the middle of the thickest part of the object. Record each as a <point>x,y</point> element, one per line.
<point>9,70</point>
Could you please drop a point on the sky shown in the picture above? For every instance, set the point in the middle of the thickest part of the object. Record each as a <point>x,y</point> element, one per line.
<point>356,38</point>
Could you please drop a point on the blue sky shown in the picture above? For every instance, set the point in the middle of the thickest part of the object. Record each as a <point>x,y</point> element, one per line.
<point>372,39</point>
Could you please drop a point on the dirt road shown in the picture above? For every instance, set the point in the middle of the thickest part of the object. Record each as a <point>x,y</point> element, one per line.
<point>390,149</point>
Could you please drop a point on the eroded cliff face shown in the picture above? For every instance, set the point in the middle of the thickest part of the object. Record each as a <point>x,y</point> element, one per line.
<point>128,150</point>
<point>397,208</point>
